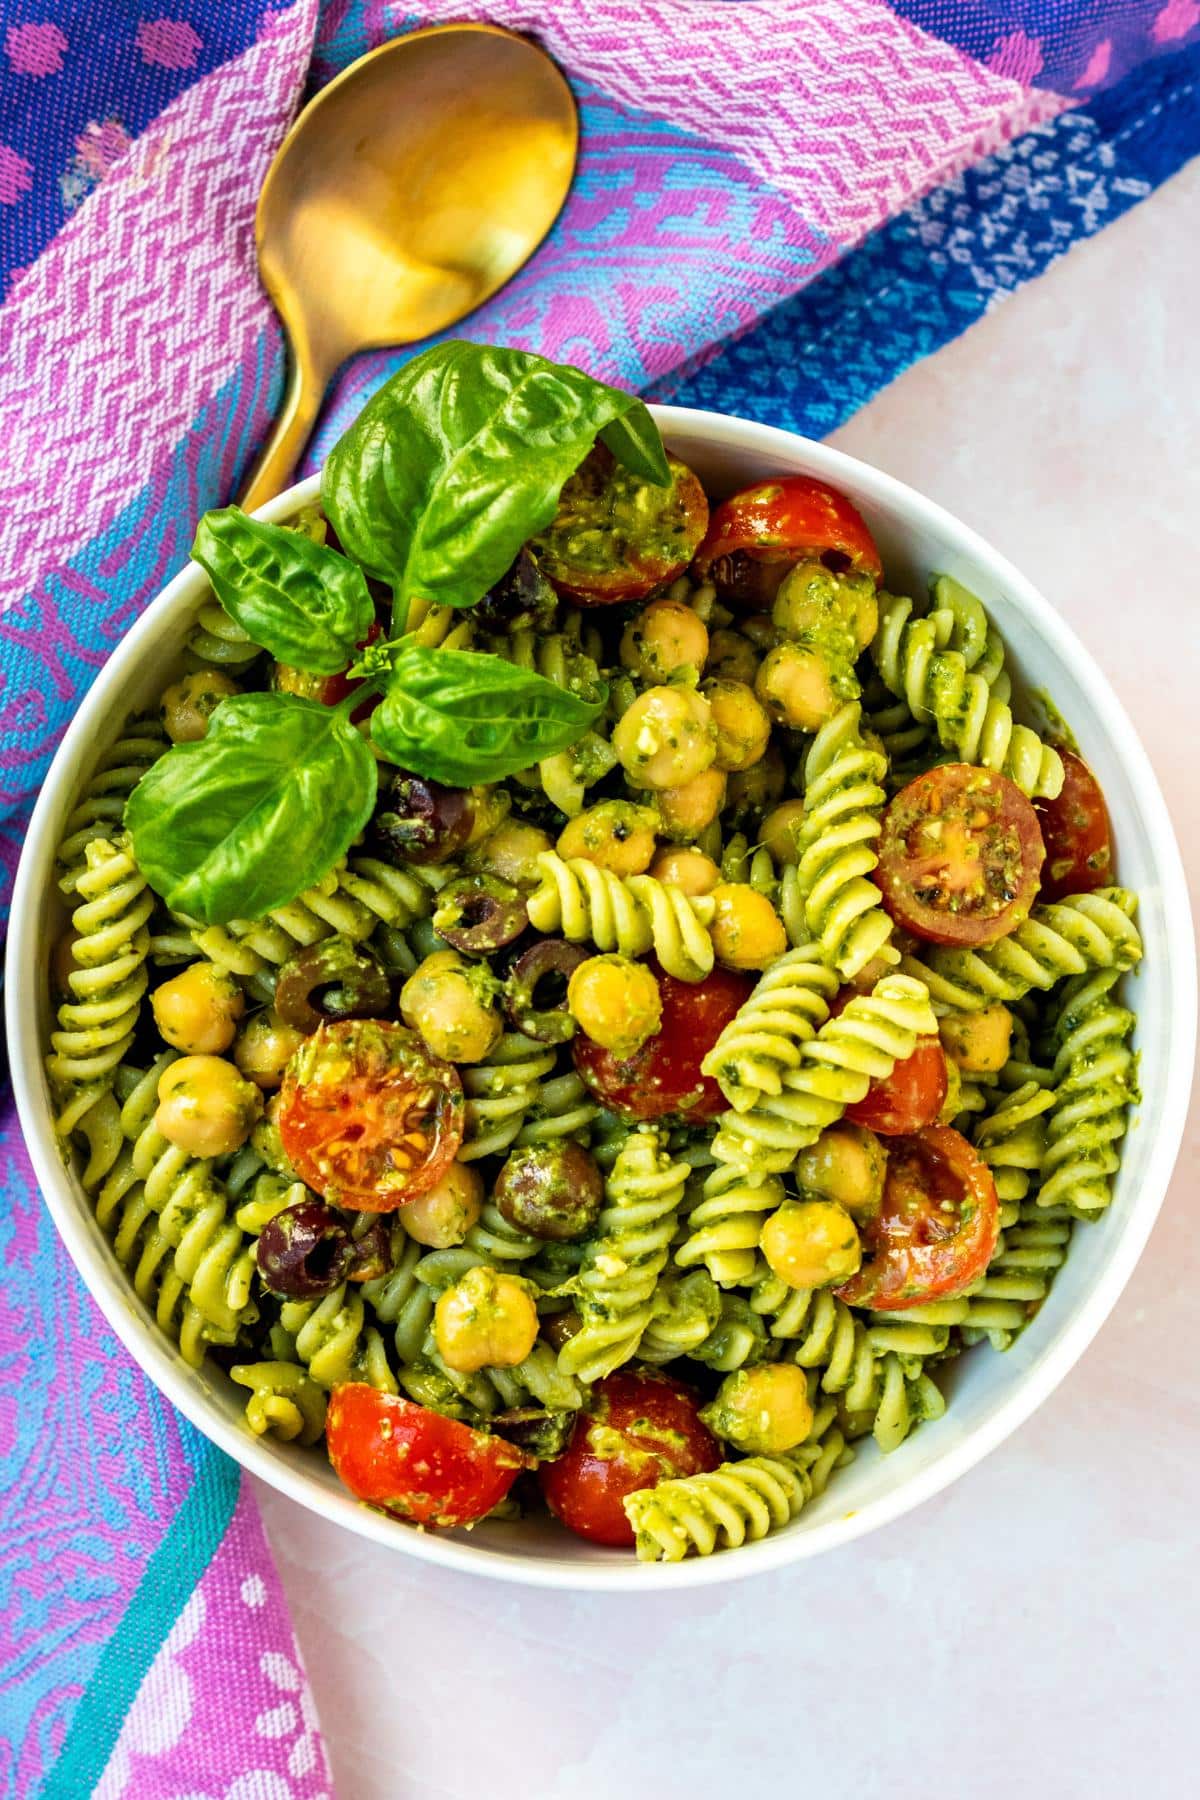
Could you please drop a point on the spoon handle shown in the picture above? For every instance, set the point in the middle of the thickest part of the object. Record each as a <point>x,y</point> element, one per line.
<point>281,452</point>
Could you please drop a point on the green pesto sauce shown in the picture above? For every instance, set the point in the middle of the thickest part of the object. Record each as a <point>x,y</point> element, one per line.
<point>608,517</point>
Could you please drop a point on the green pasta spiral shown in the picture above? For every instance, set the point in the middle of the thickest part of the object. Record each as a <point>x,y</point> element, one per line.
<point>630,914</point>
<point>763,1040</point>
<point>1066,937</point>
<point>863,1044</point>
<point>970,718</point>
<point>1011,1140</point>
<point>843,800</point>
<point>725,1223</point>
<point>615,1287</point>
<point>107,980</point>
<point>501,1092</point>
<point>285,1402</point>
<point>100,811</point>
<point>1095,1085</point>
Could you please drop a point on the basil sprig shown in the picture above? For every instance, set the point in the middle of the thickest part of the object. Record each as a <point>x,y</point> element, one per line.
<point>256,811</point>
<point>300,600</point>
<point>449,470</point>
<point>461,457</point>
<point>461,717</point>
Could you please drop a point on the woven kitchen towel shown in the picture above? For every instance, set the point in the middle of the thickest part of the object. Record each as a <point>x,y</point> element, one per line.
<point>828,188</point>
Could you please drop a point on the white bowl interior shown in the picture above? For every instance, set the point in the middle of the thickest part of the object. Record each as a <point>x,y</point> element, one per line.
<point>990,1393</point>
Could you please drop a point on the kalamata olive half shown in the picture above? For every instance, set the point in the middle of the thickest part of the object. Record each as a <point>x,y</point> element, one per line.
<point>419,821</point>
<point>521,596</point>
<point>535,993</point>
<point>541,1431</point>
<point>334,979</point>
<point>371,1246</point>
<point>304,1251</point>
<point>553,1191</point>
<point>479,914</point>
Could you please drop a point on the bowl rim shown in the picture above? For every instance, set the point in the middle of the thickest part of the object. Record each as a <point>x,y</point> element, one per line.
<point>156,1356</point>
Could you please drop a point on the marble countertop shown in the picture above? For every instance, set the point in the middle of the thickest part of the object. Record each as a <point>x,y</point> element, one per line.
<point>1028,1630</point>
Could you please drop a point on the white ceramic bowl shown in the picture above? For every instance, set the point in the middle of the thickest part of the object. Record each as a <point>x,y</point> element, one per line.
<point>990,1394</point>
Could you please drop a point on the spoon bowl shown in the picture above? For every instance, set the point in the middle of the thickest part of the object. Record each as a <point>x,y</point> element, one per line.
<point>412,188</point>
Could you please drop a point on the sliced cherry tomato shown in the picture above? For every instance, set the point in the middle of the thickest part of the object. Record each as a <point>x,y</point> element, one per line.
<point>414,1463</point>
<point>1079,850</point>
<point>755,538</point>
<point>960,856</point>
<point>911,1096</point>
<point>328,689</point>
<point>640,1429</point>
<point>937,1228</point>
<point>368,1117</point>
<point>618,537</point>
<point>663,1078</point>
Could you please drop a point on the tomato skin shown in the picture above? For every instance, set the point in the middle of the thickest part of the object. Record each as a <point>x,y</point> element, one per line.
<point>640,1429</point>
<point>1078,836</point>
<point>937,1228</point>
<point>960,856</point>
<point>663,1078</point>
<point>329,690</point>
<point>414,1463</point>
<point>780,523</point>
<point>909,1098</point>
<point>644,550</point>
<point>348,1109</point>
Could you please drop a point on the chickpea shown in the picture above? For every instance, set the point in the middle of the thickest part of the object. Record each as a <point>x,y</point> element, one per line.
<point>756,790</point>
<point>847,1164</point>
<point>205,1106</point>
<point>511,852</point>
<point>747,932</point>
<point>731,657</point>
<point>552,1191</point>
<point>198,1009</point>
<point>796,688</point>
<point>666,638</point>
<point>486,1320</point>
<point>443,1216</point>
<point>763,1410</point>
<point>811,1243</point>
<point>689,870</point>
<point>780,829</point>
<point>978,1042</point>
<point>448,1001</point>
<point>616,1002</point>
<point>685,811</point>
<point>807,601</point>
<point>743,728</point>
<point>188,704</point>
<point>616,835</point>
<point>761,630</point>
<point>665,737</point>
<point>264,1048</point>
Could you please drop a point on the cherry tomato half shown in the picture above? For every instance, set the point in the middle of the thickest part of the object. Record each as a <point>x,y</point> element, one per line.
<point>960,855</point>
<point>368,1117</point>
<point>911,1096</point>
<point>640,1429</point>
<point>330,690</point>
<point>618,537</point>
<point>754,538</point>
<point>663,1078</point>
<point>937,1228</point>
<point>409,1461</point>
<point>1079,850</point>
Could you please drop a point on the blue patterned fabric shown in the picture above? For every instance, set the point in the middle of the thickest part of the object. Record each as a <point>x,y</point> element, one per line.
<point>921,280</point>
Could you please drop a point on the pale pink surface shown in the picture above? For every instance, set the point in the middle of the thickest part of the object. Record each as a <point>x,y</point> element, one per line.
<point>872,112</point>
<point>1029,1631</point>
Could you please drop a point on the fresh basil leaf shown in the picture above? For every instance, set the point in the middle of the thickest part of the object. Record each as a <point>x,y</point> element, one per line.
<point>460,717</point>
<point>461,457</point>
<point>300,600</point>
<point>256,811</point>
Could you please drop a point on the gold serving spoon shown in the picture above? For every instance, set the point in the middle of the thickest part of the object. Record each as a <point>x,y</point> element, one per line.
<point>408,191</point>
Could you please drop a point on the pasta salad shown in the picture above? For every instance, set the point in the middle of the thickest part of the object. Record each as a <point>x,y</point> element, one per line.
<point>580,998</point>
